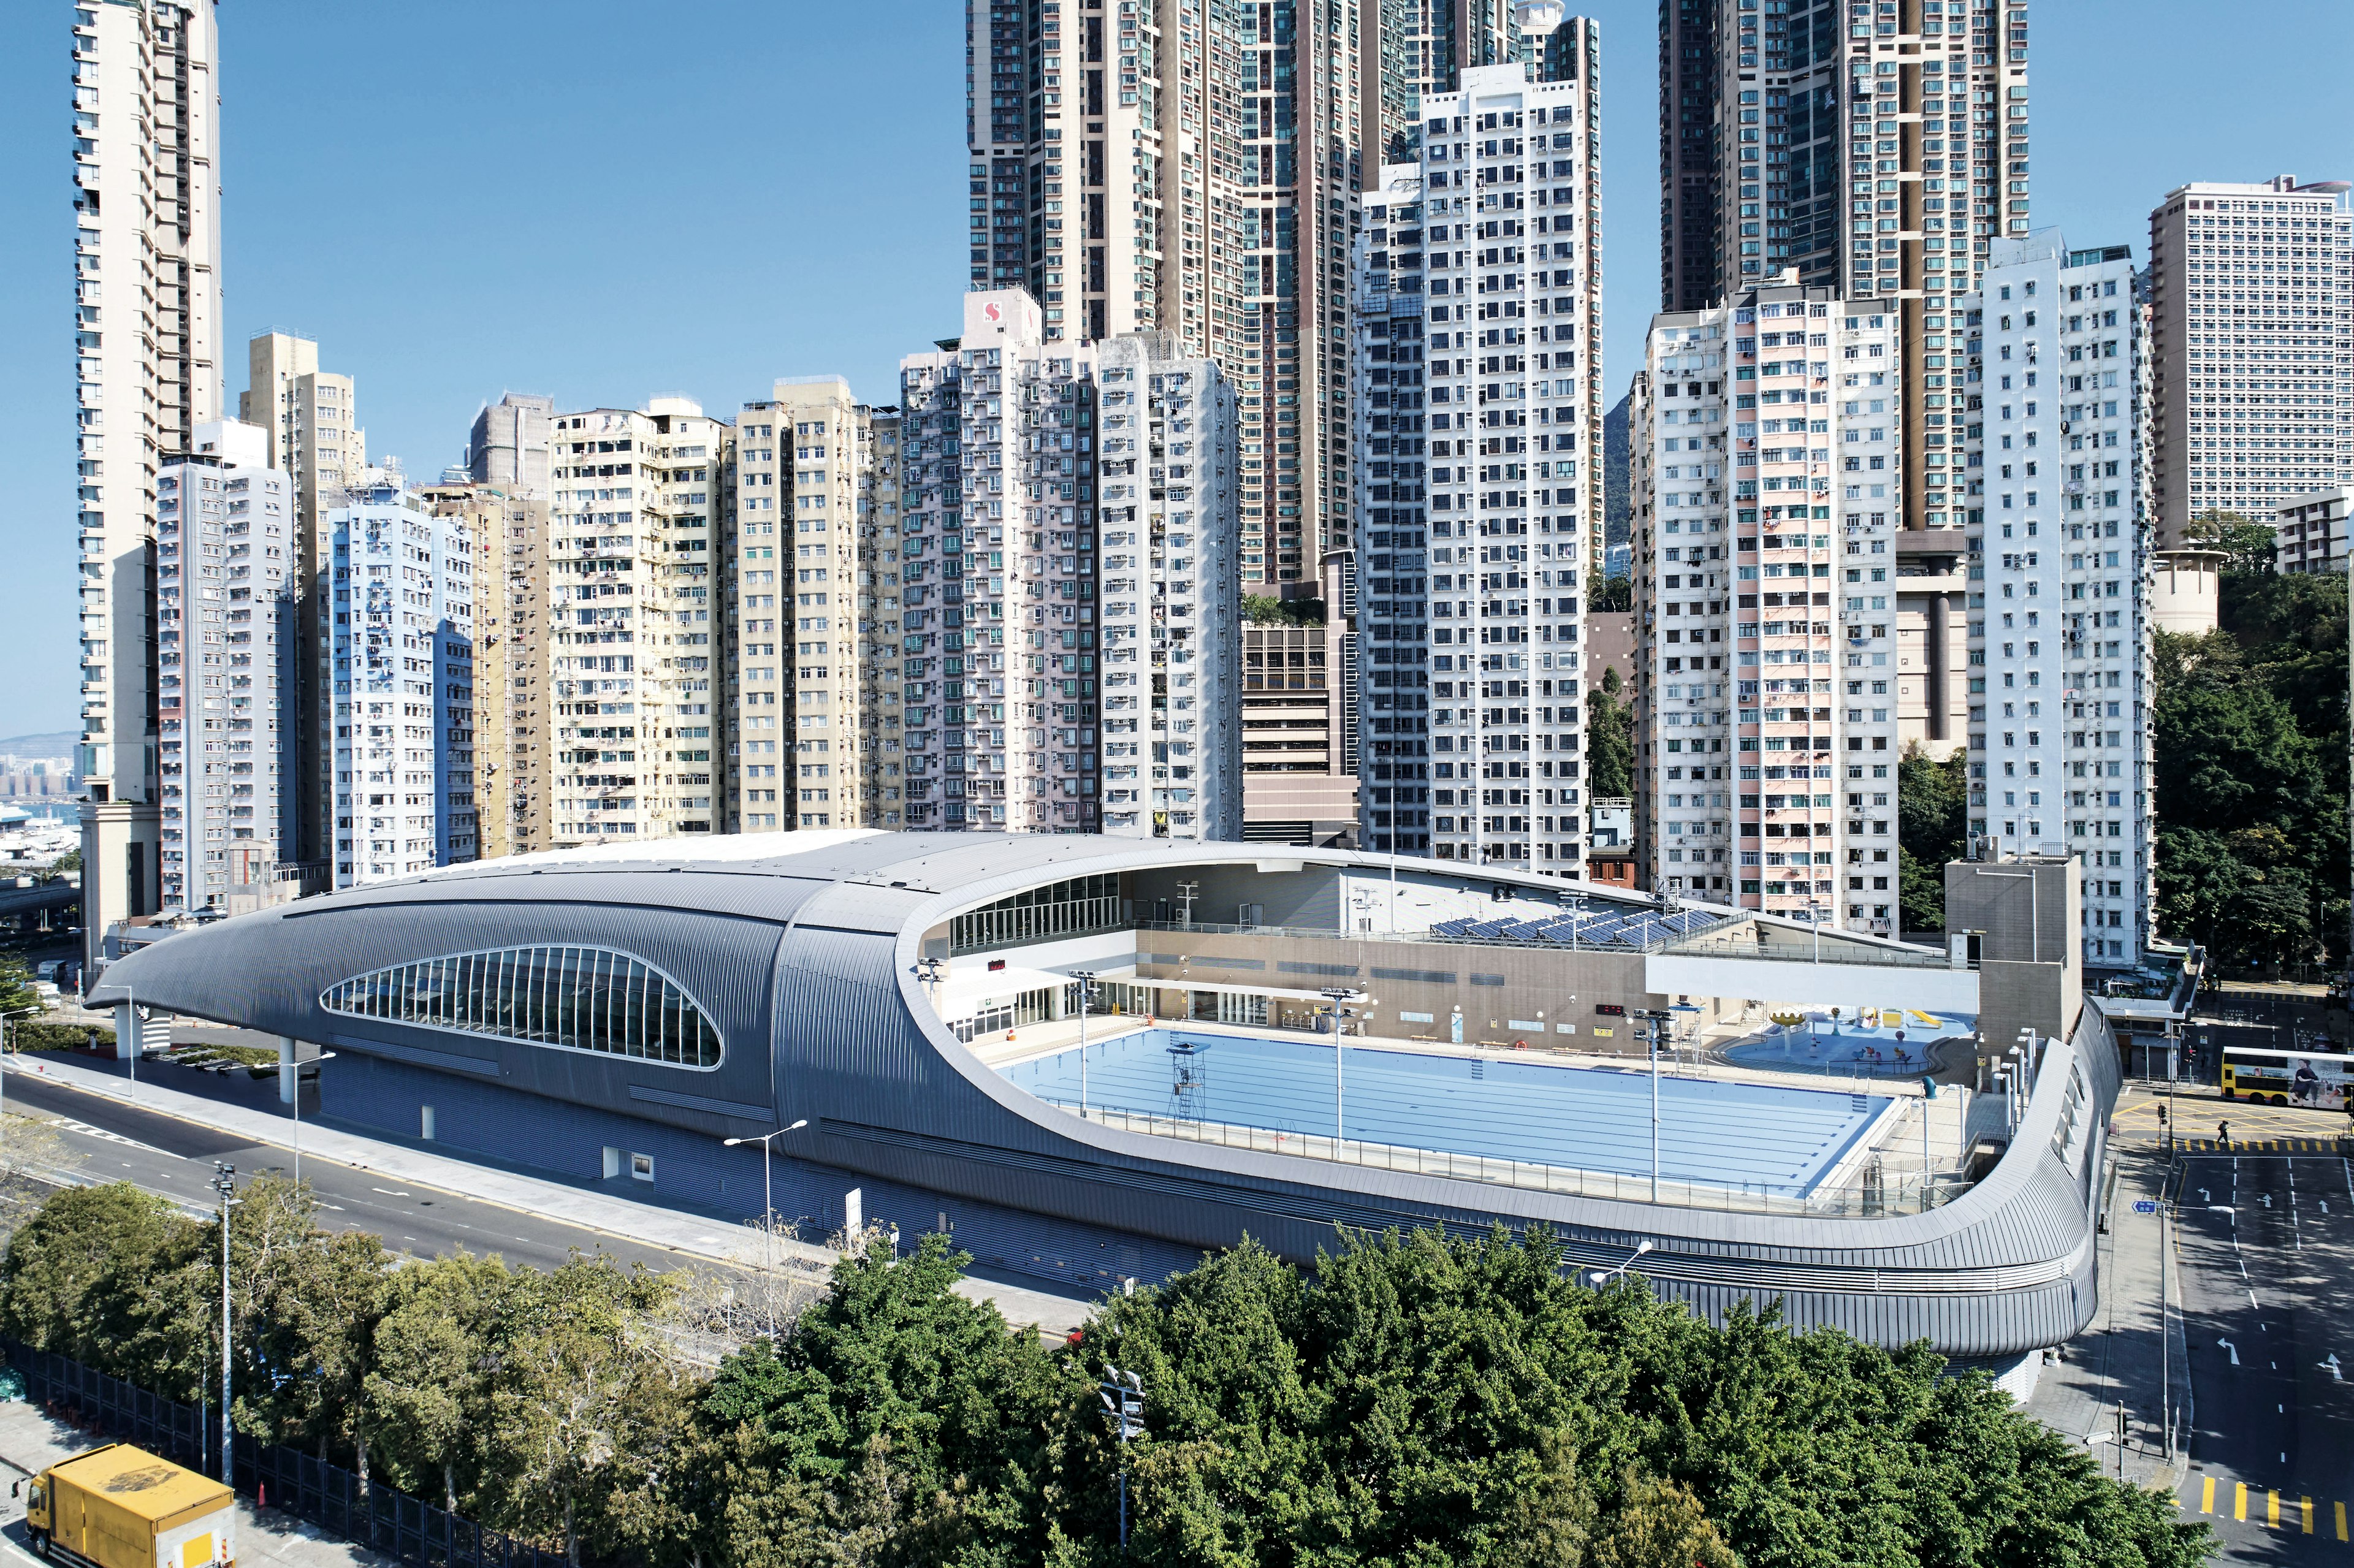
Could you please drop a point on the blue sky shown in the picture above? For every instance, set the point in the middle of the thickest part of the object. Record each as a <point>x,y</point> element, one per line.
<point>608,201</point>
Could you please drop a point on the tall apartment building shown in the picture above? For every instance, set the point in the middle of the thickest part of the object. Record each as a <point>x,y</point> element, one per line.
<point>402,581</point>
<point>635,643</point>
<point>2060,734</point>
<point>815,721</point>
<point>1192,168</point>
<point>2251,294</point>
<point>1479,300</point>
<point>146,328</point>
<point>1172,623</point>
<point>1768,475</point>
<point>1876,146</point>
<point>1007,621</point>
<point>514,740</point>
<point>509,444</point>
<point>311,419</point>
<point>225,593</point>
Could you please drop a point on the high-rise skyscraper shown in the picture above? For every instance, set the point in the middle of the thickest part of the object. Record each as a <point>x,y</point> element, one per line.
<point>514,740</point>
<point>508,446</point>
<point>1876,146</point>
<point>311,419</point>
<point>2060,630</point>
<point>225,703</point>
<point>1480,412</point>
<point>1006,621</point>
<point>639,498</point>
<point>1192,168</point>
<point>147,104</point>
<point>1766,471</point>
<point>2251,294</point>
<point>815,725</point>
<point>401,579</point>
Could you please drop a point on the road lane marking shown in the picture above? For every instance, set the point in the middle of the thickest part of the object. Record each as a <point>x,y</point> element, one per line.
<point>2272,1508</point>
<point>2207,1498</point>
<point>2304,1513</point>
<point>2233,1347</point>
<point>2341,1519</point>
<point>86,1130</point>
<point>2239,1499</point>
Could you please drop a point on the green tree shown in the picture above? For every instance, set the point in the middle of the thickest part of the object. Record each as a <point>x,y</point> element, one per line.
<point>1609,739</point>
<point>1932,824</point>
<point>1612,594</point>
<point>71,1281</point>
<point>424,1400</point>
<point>2248,545</point>
<point>1660,1524</point>
<point>17,987</point>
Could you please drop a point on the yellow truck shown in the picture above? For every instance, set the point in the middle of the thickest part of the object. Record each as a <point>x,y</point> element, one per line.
<point>121,1507</point>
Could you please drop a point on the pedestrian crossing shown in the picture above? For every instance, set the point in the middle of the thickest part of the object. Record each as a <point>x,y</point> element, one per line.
<point>2261,1146</point>
<point>2234,1500</point>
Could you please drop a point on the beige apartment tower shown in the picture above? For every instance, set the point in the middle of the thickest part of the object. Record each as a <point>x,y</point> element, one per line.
<point>146,326</point>
<point>312,420</point>
<point>638,499</point>
<point>813,604</point>
<point>514,742</point>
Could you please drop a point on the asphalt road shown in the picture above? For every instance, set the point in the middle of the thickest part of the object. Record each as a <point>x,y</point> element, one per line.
<point>2267,1264</point>
<point>108,1140</point>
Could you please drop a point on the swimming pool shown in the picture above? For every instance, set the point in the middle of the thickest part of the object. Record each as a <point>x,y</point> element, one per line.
<point>1781,1139</point>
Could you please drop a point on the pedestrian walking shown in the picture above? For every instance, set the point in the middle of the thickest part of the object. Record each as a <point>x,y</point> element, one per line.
<point>2223,1132</point>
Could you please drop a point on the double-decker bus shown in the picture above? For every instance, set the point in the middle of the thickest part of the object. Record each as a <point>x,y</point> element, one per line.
<point>2262,1076</point>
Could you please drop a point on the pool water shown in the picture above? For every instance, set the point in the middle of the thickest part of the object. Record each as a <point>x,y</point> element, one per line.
<point>1782,1139</point>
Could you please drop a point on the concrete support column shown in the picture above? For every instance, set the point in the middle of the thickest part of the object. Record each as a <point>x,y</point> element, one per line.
<point>126,1032</point>
<point>1939,658</point>
<point>286,1069</point>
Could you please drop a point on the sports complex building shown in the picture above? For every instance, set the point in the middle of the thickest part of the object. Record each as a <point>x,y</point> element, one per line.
<point>615,1015</point>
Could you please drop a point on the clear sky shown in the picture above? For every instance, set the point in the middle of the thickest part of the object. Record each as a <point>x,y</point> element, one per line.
<point>608,202</point>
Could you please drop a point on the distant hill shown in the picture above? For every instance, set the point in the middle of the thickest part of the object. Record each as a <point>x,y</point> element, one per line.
<point>1616,505</point>
<point>61,744</point>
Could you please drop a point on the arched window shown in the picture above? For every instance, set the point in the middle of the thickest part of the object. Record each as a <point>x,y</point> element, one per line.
<point>575,999</point>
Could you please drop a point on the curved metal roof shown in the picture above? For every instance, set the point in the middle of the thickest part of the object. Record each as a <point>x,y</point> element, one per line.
<point>817,943</point>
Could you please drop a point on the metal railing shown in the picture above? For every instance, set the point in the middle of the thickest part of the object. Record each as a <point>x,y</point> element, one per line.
<point>1794,948</point>
<point>1876,1195</point>
<point>373,1515</point>
<point>1418,938</point>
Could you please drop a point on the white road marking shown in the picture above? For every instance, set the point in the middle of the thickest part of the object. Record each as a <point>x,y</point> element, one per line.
<point>86,1130</point>
<point>2335,1374</point>
<point>2233,1347</point>
<point>387,1191</point>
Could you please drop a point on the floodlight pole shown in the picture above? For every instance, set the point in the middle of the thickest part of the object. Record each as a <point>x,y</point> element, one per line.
<point>1337,995</point>
<point>1086,978</point>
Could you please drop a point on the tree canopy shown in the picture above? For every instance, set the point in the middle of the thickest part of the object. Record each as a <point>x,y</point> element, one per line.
<point>1414,1400</point>
<point>2249,727</point>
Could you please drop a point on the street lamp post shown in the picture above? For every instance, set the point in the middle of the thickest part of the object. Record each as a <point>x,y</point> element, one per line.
<point>767,1198</point>
<point>1602,1277</point>
<point>323,1056</point>
<point>225,1184</point>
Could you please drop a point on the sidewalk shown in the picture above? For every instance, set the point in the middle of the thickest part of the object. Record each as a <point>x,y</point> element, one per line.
<point>676,1229</point>
<point>31,1441</point>
<point>2127,1354</point>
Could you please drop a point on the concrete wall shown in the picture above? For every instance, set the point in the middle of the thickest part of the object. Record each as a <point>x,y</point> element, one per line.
<point>2029,913</point>
<point>1777,983</point>
<point>1494,987</point>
